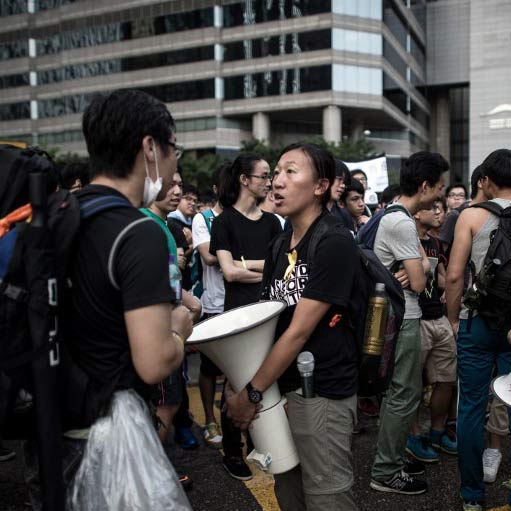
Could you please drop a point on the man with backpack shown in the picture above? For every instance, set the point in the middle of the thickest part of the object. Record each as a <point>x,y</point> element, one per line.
<point>122,330</point>
<point>482,240</point>
<point>398,247</point>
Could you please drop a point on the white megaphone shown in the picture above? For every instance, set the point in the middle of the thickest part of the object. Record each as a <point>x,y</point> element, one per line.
<point>237,342</point>
<point>501,387</point>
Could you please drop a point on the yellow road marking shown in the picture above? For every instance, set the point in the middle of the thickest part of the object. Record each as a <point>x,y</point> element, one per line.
<point>503,508</point>
<point>261,486</point>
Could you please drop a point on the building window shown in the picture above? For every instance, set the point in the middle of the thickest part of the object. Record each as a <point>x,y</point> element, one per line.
<point>274,83</point>
<point>357,41</point>
<point>10,7</point>
<point>393,93</point>
<point>459,111</point>
<point>358,79</point>
<point>13,111</point>
<point>395,22</point>
<point>360,8</point>
<point>44,5</point>
<point>278,45</point>
<point>394,58</point>
<point>106,67</point>
<point>250,12</point>
<point>14,80</point>
<point>14,50</point>
<point>419,115</point>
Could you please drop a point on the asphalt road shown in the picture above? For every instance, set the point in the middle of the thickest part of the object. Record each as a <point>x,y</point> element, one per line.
<point>214,490</point>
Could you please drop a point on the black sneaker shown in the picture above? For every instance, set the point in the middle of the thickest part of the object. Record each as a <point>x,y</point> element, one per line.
<point>237,468</point>
<point>6,454</point>
<point>413,467</point>
<point>400,482</point>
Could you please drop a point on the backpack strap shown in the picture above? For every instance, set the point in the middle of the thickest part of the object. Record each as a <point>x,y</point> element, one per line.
<point>208,216</point>
<point>269,266</point>
<point>490,206</point>
<point>94,206</point>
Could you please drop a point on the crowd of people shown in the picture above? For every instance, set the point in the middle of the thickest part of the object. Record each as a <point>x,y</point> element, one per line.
<point>221,239</point>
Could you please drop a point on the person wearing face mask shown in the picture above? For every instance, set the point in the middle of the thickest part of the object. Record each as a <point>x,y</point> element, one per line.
<point>124,329</point>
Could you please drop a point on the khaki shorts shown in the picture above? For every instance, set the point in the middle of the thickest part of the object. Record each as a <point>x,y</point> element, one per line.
<point>438,350</point>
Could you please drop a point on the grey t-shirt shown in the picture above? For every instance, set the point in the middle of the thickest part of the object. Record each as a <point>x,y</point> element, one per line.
<point>397,240</point>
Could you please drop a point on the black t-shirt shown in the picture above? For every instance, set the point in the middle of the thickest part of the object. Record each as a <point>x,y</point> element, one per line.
<point>344,216</point>
<point>98,337</point>
<point>234,232</point>
<point>331,280</point>
<point>429,299</point>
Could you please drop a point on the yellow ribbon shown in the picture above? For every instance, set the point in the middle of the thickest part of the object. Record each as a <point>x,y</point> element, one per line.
<point>291,257</point>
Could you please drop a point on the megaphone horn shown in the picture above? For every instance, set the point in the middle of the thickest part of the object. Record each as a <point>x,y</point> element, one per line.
<point>237,342</point>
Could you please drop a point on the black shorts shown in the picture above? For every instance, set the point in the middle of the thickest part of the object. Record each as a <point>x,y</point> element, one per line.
<point>170,390</point>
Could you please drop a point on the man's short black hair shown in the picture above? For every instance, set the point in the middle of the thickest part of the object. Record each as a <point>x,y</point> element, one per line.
<point>189,189</point>
<point>114,126</point>
<point>476,176</point>
<point>355,186</point>
<point>455,185</point>
<point>358,171</point>
<point>72,171</point>
<point>497,167</point>
<point>390,193</point>
<point>420,167</point>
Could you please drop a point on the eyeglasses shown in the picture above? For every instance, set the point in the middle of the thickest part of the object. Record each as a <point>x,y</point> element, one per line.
<point>456,196</point>
<point>264,177</point>
<point>178,149</point>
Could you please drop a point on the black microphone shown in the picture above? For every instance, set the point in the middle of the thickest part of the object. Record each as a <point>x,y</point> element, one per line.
<point>305,364</point>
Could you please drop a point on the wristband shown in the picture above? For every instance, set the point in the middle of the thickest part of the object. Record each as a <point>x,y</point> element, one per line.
<point>179,337</point>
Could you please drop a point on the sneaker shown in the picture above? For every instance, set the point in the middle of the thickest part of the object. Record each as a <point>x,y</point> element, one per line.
<point>491,464</point>
<point>368,407</point>
<point>185,438</point>
<point>472,506</point>
<point>212,435</point>
<point>400,482</point>
<point>413,467</point>
<point>443,442</point>
<point>6,454</point>
<point>420,448</point>
<point>237,468</point>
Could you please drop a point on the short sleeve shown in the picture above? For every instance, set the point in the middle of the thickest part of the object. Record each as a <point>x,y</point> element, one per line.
<point>200,231</point>
<point>331,281</point>
<point>141,267</point>
<point>220,235</point>
<point>403,240</point>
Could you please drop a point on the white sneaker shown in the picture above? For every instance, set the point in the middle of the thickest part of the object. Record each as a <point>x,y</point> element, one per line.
<point>212,435</point>
<point>491,464</point>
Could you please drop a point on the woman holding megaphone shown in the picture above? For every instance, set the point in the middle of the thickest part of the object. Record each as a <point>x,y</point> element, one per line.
<point>317,289</point>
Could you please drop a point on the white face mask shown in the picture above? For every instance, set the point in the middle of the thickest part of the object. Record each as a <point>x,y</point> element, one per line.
<point>151,188</point>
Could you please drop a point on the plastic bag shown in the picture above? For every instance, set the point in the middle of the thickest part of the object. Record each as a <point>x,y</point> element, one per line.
<point>124,467</point>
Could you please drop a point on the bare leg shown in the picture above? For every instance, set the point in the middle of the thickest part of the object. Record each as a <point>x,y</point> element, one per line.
<point>207,386</point>
<point>440,401</point>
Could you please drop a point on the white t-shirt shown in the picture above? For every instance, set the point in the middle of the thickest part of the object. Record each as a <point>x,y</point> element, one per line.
<point>213,296</point>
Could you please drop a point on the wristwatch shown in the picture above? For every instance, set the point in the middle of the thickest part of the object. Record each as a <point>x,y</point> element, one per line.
<point>254,396</point>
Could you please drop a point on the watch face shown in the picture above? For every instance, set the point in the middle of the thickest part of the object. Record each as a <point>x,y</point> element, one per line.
<point>254,396</point>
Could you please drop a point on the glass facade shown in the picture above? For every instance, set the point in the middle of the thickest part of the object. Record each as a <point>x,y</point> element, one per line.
<point>14,80</point>
<point>123,31</point>
<point>106,67</point>
<point>278,45</point>
<point>273,83</point>
<point>250,12</point>
<point>459,111</point>
<point>14,50</point>
<point>359,79</point>
<point>361,8</point>
<point>13,111</point>
<point>10,7</point>
<point>357,41</point>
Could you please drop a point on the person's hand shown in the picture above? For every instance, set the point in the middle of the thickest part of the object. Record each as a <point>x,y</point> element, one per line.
<point>239,408</point>
<point>181,321</point>
<point>442,298</point>
<point>509,337</point>
<point>181,261</point>
<point>188,235</point>
<point>362,219</point>
<point>402,278</point>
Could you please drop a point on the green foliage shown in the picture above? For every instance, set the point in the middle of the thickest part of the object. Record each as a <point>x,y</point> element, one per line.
<point>198,171</point>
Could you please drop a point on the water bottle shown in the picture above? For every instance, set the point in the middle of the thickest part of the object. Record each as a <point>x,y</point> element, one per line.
<point>376,321</point>
<point>175,279</point>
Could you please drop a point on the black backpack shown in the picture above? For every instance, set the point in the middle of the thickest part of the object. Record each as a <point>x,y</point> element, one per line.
<point>490,293</point>
<point>375,373</point>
